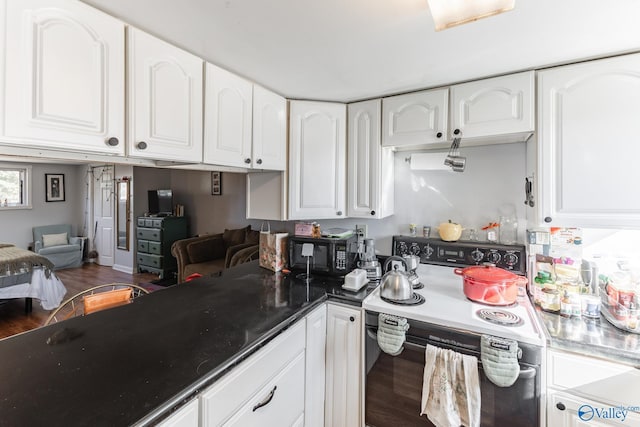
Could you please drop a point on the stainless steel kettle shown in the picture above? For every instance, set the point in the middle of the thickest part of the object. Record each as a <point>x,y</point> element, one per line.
<point>395,284</point>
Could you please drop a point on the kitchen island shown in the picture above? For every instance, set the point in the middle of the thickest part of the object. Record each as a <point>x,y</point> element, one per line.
<point>134,364</point>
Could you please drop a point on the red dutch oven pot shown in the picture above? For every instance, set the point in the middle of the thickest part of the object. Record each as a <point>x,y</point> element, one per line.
<point>489,284</point>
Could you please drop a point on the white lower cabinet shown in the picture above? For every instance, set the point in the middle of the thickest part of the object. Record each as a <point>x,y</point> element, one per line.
<point>344,391</point>
<point>187,416</point>
<point>567,410</point>
<point>279,364</point>
<point>315,367</point>
<point>283,384</point>
<point>585,391</point>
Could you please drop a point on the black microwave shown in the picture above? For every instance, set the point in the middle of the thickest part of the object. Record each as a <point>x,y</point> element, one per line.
<point>331,256</point>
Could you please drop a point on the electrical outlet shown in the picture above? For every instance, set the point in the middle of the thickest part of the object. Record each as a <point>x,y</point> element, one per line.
<point>361,231</point>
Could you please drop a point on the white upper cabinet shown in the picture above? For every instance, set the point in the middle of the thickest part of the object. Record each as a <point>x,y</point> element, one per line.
<point>269,130</point>
<point>587,139</point>
<point>370,183</point>
<point>494,107</point>
<point>228,118</point>
<point>63,77</point>
<point>165,87</point>
<point>317,152</point>
<point>415,118</point>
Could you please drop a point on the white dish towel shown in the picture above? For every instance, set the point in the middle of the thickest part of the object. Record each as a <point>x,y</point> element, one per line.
<point>391,333</point>
<point>450,388</point>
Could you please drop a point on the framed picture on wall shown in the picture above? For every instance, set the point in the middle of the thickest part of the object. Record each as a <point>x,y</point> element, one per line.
<point>216,183</point>
<point>54,185</point>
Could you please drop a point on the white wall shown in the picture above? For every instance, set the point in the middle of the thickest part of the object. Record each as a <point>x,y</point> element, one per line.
<point>494,178</point>
<point>16,225</point>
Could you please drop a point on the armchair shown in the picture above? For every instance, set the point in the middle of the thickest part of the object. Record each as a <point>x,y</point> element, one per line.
<point>55,243</point>
<point>211,253</point>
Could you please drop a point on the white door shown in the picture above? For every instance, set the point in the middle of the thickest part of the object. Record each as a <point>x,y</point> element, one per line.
<point>227,118</point>
<point>165,100</point>
<point>498,106</point>
<point>317,153</point>
<point>103,214</point>
<point>344,368</point>
<point>64,76</point>
<point>269,130</point>
<point>587,143</point>
<point>370,183</point>
<point>415,118</point>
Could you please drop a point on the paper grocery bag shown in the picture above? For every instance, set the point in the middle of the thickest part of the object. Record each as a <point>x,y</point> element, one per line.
<point>273,249</point>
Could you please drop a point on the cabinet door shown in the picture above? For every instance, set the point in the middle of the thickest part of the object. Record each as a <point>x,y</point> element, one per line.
<point>317,160</point>
<point>567,410</point>
<point>187,416</point>
<point>415,118</point>
<point>269,130</point>
<point>227,120</point>
<point>315,367</point>
<point>370,184</point>
<point>64,77</point>
<point>344,353</point>
<point>491,107</point>
<point>165,100</point>
<point>588,126</point>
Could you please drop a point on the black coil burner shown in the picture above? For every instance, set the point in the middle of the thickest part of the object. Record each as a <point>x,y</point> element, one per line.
<point>499,317</point>
<point>416,299</point>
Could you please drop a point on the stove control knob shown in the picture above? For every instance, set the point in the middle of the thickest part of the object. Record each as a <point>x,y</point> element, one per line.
<point>415,249</point>
<point>402,248</point>
<point>477,255</point>
<point>493,257</point>
<point>427,251</point>
<point>511,259</point>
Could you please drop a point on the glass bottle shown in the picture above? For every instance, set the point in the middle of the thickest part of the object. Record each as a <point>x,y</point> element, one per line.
<point>508,230</point>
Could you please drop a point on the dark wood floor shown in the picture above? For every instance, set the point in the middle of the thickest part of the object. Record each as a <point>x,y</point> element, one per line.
<point>13,319</point>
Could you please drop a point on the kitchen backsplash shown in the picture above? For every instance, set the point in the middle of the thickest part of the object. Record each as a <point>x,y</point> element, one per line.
<point>493,181</point>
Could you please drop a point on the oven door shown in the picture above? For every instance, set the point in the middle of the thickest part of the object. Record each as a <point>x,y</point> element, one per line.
<point>393,391</point>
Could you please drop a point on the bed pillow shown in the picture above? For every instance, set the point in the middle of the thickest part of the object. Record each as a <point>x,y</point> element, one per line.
<point>54,240</point>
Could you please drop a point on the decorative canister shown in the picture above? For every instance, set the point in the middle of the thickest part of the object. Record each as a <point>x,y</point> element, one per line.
<point>550,299</point>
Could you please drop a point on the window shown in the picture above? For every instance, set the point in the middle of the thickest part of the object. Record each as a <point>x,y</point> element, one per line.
<point>15,186</point>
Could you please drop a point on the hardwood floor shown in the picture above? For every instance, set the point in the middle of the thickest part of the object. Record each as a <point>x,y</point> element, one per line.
<point>13,319</point>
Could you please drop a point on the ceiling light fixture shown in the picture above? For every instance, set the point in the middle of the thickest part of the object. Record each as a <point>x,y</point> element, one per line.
<point>449,13</point>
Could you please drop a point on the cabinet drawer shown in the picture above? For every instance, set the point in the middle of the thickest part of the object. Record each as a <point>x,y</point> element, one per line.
<point>593,378</point>
<point>233,391</point>
<point>149,234</point>
<point>141,222</point>
<point>155,248</point>
<point>150,260</point>
<point>187,416</point>
<point>280,403</point>
<point>565,409</point>
<point>143,246</point>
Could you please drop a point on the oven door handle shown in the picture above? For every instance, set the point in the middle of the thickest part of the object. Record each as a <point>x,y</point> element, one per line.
<point>527,373</point>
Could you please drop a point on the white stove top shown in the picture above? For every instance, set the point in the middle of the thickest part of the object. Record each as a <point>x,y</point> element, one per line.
<point>447,305</point>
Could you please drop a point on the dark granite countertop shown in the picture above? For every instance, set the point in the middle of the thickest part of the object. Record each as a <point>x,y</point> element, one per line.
<point>591,337</point>
<point>132,364</point>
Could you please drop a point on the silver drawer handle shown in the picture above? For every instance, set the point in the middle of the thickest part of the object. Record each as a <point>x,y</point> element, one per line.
<point>266,400</point>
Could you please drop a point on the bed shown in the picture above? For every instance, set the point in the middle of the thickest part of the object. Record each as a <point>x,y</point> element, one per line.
<point>25,274</point>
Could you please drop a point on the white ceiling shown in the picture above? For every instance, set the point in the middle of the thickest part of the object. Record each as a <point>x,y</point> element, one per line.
<point>346,50</point>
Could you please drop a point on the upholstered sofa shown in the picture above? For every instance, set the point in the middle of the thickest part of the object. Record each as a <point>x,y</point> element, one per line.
<point>211,253</point>
<point>56,243</point>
